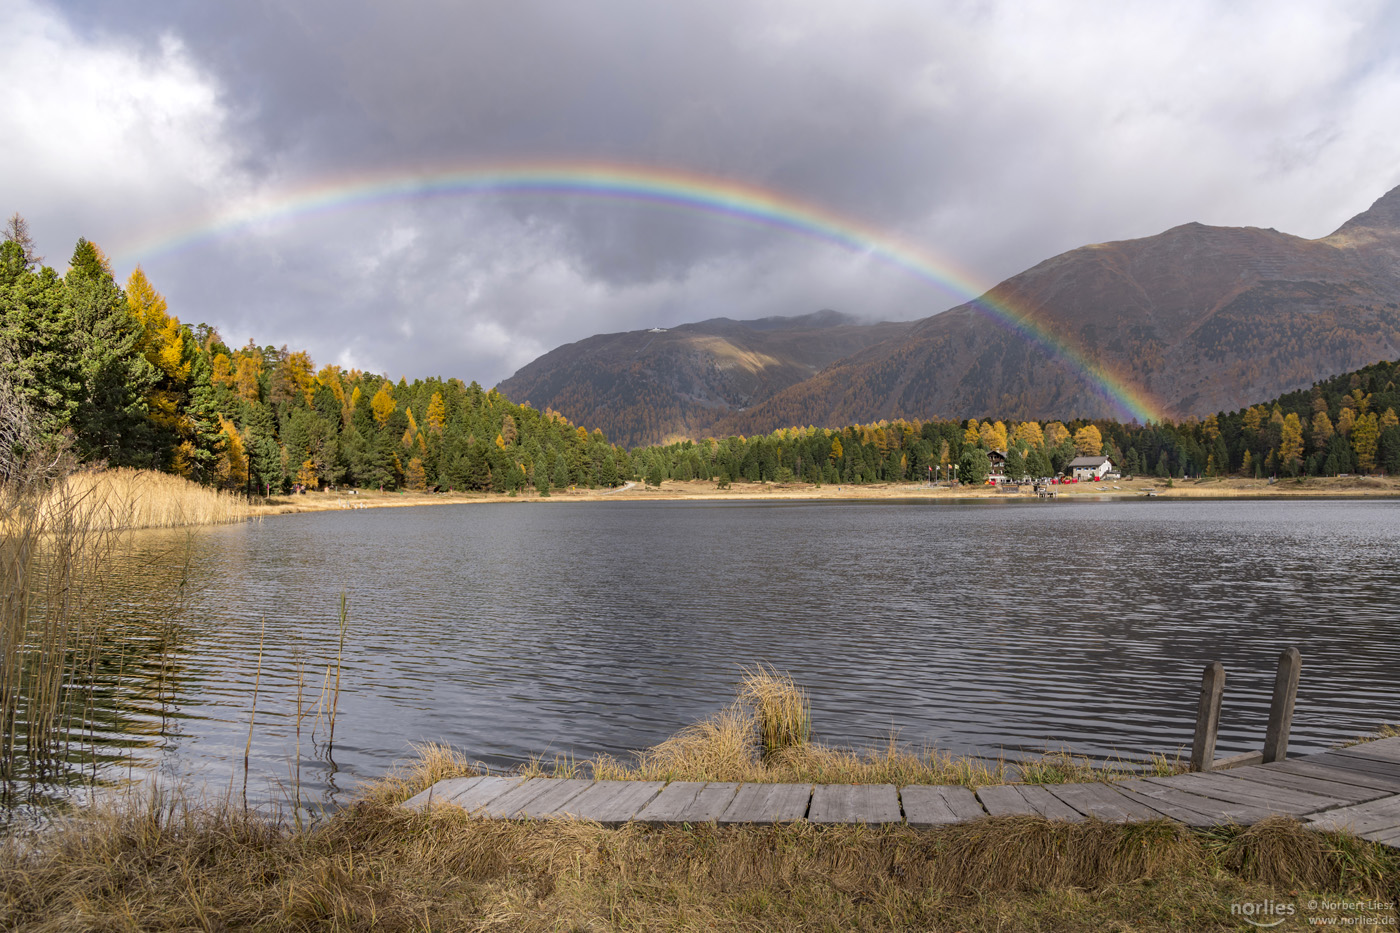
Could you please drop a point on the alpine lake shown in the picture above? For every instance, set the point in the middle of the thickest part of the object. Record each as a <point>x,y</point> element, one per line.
<point>519,630</point>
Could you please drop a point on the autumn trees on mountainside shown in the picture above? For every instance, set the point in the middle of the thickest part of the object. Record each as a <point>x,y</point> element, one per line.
<point>113,372</point>
<point>124,381</point>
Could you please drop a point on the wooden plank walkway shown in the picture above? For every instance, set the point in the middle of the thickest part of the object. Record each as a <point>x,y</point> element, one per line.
<point>1355,788</point>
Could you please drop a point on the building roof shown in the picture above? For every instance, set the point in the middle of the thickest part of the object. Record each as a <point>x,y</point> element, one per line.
<point>1089,462</point>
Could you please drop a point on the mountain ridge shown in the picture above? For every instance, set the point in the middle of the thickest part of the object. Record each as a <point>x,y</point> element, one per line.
<point>1196,318</point>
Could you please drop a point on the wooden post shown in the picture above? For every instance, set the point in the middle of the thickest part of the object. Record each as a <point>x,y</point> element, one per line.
<point>1208,717</point>
<point>1290,664</point>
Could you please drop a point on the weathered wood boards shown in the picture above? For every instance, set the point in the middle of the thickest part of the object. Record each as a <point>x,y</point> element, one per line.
<point>1102,801</point>
<point>767,803</point>
<point>1026,799</point>
<point>1378,820</point>
<point>1233,790</point>
<point>1325,787</point>
<point>1355,788</point>
<point>688,802</point>
<point>611,802</point>
<point>858,803</point>
<point>926,805</point>
<point>1309,767</point>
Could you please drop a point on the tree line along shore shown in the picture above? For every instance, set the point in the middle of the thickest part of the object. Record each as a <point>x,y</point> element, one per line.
<point>111,373</point>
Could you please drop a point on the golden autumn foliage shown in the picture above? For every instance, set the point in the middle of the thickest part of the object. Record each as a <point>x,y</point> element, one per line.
<point>1345,420</point>
<point>247,375</point>
<point>222,370</point>
<point>437,413</point>
<point>299,369</point>
<point>1088,441</point>
<point>992,435</point>
<point>1364,435</point>
<point>415,477</point>
<point>383,404</point>
<point>973,434</point>
<point>1290,451</point>
<point>232,466</point>
<point>1321,430</point>
<point>306,475</point>
<point>1030,434</point>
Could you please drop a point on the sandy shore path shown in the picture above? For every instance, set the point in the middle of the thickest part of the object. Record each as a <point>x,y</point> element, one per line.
<point>704,490</point>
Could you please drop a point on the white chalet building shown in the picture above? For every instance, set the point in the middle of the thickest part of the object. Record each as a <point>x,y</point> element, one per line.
<point>1089,468</point>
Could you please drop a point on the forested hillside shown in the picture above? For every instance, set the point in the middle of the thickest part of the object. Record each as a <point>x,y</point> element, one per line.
<point>1346,424</point>
<point>111,372</point>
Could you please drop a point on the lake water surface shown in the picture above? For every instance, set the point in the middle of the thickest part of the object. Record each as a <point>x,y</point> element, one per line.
<point>512,630</point>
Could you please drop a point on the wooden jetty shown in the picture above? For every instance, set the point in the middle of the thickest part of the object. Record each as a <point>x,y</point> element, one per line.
<point>1355,788</point>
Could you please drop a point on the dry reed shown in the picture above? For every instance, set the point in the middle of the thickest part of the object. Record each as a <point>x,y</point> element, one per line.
<point>51,560</point>
<point>764,736</point>
<point>125,499</point>
<point>158,862</point>
<point>59,529</point>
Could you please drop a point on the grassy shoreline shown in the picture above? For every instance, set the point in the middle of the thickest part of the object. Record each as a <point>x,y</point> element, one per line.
<point>156,860</point>
<point>706,490</point>
<point>165,862</point>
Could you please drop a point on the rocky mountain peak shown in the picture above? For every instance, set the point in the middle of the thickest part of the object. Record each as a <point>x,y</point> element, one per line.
<point>1383,215</point>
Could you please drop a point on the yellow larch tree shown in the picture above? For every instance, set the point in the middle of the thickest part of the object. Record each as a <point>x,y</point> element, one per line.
<point>1055,434</point>
<point>1321,430</point>
<point>300,372</point>
<point>415,477</point>
<point>1364,435</point>
<point>383,404</point>
<point>1029,433</point>
<point>306,475</point>
<point>437,413</point>
<point>163,345</point>
<point>232,466</point>
<point>222,370</point>
<point>1290,448</point>
<point>1088,442</point>
<point>1345,420</point>
<point>247,374</point>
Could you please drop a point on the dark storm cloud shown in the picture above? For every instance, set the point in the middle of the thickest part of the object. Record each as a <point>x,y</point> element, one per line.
<point>993,134</point>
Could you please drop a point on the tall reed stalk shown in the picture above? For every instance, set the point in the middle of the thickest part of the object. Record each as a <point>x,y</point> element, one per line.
<point>51,558</point>
<point>59,528</point>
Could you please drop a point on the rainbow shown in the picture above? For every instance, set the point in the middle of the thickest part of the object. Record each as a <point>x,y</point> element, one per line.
<point>672,188</point>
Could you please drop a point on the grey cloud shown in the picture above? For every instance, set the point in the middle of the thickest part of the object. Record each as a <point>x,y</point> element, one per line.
<point>995,134</point>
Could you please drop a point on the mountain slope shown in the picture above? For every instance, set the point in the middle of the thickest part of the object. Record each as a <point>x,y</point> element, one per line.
<point>643,387</point>
<point>1200,318</point>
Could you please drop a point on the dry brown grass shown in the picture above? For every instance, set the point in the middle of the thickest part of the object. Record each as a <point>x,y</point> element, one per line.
<point>764,736</point>
<point>432,762</point>
<point>159,863</point>
<point>124,499</point>
<point>1385,731</point>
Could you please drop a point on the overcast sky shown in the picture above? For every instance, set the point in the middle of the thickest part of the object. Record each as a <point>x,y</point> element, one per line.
<point>993,135</point>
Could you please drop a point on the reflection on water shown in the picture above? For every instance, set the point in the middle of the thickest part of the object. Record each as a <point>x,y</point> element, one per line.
<point>514,630</point>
